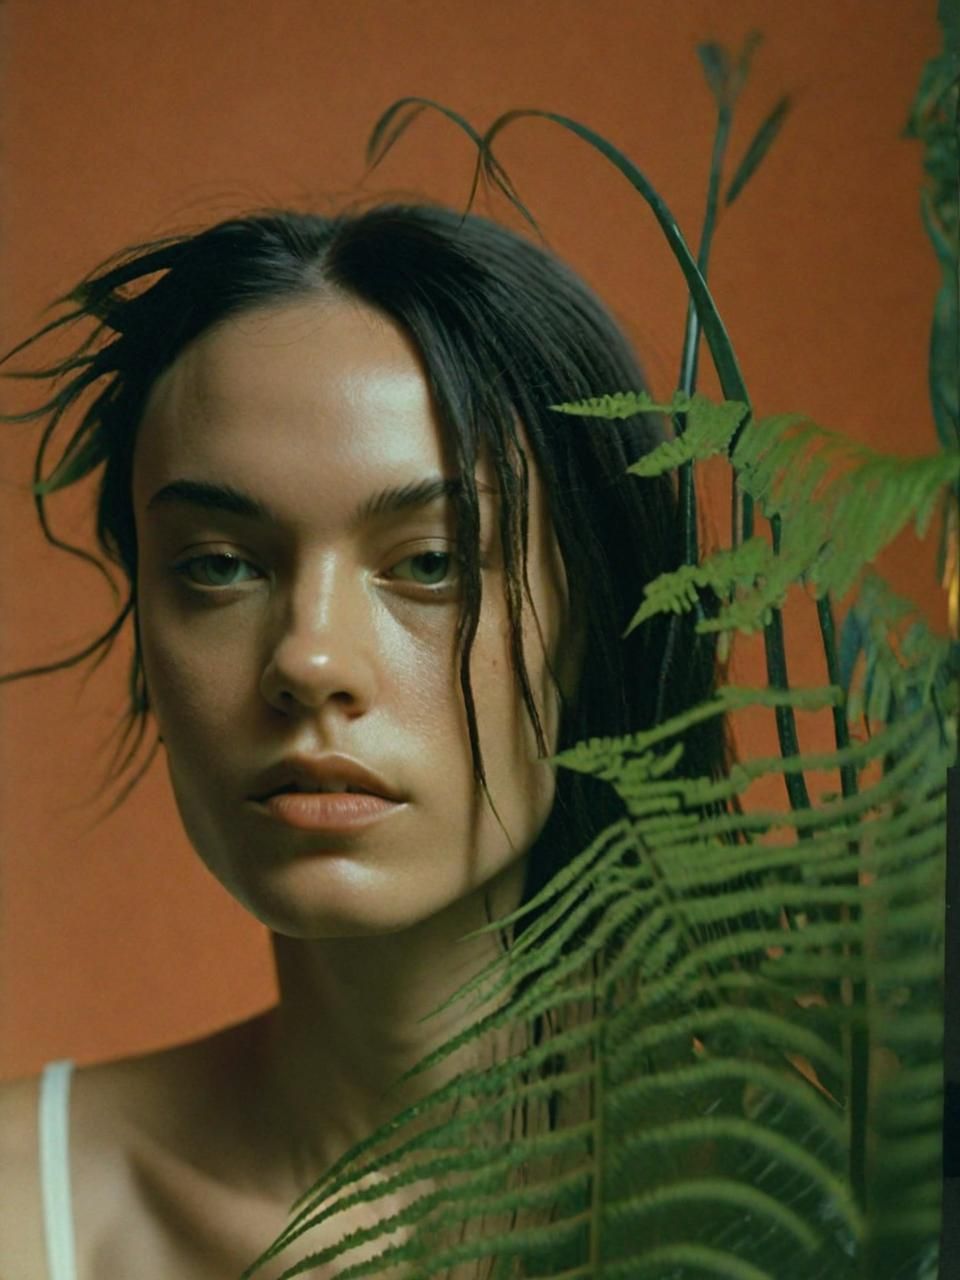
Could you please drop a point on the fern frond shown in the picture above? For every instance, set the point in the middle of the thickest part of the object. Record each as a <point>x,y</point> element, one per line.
<point>673,965</point>
<point>781,462</point>
<point>710,426</point>
<point>624,404</point>
<point>724,571</point>
<point>890,683</point>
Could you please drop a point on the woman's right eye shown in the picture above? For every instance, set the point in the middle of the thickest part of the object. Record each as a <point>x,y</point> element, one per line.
<point>216,569</point>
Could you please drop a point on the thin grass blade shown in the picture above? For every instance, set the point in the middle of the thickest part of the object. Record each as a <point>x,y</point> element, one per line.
<point>762,141</point>
<point>721,347</point>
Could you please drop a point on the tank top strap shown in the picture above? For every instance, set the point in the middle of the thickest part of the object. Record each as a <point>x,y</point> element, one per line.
<point>54,1133</point>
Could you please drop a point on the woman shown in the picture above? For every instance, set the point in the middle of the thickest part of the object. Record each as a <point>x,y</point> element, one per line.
<point>362,554</point>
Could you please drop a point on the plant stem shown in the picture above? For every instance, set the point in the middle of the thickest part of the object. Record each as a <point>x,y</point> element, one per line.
<point>691,339</point>
<point>597,1199</point>
<point>741,503</point>
<point>857,1036</point>
<point>691,345</point>
<point>841,732</point>
<point>777,677</point>
<point>687,493</point>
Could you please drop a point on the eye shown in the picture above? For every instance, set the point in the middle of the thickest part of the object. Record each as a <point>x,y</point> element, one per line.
<point>436,567</point>
<point>217,569</point>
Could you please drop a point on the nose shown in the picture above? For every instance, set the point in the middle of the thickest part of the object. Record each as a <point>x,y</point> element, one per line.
<point>317,654</point>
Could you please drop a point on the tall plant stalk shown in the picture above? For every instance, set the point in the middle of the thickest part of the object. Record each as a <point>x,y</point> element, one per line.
<point>726,85</point>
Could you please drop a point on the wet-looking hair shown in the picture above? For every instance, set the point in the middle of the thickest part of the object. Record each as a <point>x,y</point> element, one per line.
<point>504,330</point>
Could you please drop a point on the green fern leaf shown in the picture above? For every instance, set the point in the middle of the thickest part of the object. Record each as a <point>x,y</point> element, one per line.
<point>724,570</point>
<point>625,404</point>
<point>709,429</point>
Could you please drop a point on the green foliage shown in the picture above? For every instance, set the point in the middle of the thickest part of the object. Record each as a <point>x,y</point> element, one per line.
<point>743,1007</point>
<point>715,1127</point>
<point>933,120</point>
<point>709,426</point>
<point>896,679</point>
<point>727,76</point>
<point>725,571</point>
<point>758,148</point>
<point>834,523</point>
<point>710,1079</point>
<point>783,464</point>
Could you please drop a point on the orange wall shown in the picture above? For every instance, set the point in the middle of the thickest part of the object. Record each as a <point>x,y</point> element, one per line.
<point>123,121</point>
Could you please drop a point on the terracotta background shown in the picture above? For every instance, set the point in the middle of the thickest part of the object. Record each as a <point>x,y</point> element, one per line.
<point>121,122</point>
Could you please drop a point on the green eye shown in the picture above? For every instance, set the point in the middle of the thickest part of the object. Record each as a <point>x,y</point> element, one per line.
<point>437,563</point>
<point>216,570</point>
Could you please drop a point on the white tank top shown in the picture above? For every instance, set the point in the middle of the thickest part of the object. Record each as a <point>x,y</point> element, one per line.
<point>54,1135</point>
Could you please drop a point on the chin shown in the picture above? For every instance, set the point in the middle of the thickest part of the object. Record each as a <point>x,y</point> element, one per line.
<point>314,899</point>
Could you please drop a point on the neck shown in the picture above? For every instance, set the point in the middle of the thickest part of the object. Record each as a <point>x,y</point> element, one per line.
<point>350,1022</point>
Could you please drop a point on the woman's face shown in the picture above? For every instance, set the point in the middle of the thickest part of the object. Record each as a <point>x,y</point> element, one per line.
<point>286,625</point>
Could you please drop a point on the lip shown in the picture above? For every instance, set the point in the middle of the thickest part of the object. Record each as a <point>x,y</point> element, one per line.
<point>331,812</point>
<point>307,772</point>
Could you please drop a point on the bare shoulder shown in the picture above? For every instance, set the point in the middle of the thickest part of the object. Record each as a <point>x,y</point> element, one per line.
<point>119,1113</point>
<point>96,1165</point>
<point>158,1167</point>
<point>22,1252</point>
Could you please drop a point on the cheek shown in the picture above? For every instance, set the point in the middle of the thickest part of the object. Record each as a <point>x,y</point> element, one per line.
<point>194,687</point>
<point>513,760</point>
<point>539,655</point>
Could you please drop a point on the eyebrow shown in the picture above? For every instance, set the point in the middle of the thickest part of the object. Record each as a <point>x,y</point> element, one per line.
<point>388,501</point>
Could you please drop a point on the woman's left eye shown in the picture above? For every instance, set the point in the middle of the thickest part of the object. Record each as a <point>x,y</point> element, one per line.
<point>437,562</point>
<point>216,569</point>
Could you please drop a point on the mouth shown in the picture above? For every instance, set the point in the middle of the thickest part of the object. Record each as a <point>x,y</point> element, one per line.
<point>334,789</point>
<point>326,812</point>
<point>330,774</point>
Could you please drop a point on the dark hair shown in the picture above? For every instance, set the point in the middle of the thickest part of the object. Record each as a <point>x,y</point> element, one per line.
<point>505,330</point>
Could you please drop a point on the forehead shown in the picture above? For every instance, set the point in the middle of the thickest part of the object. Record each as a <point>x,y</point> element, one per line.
<point>325,395</point>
